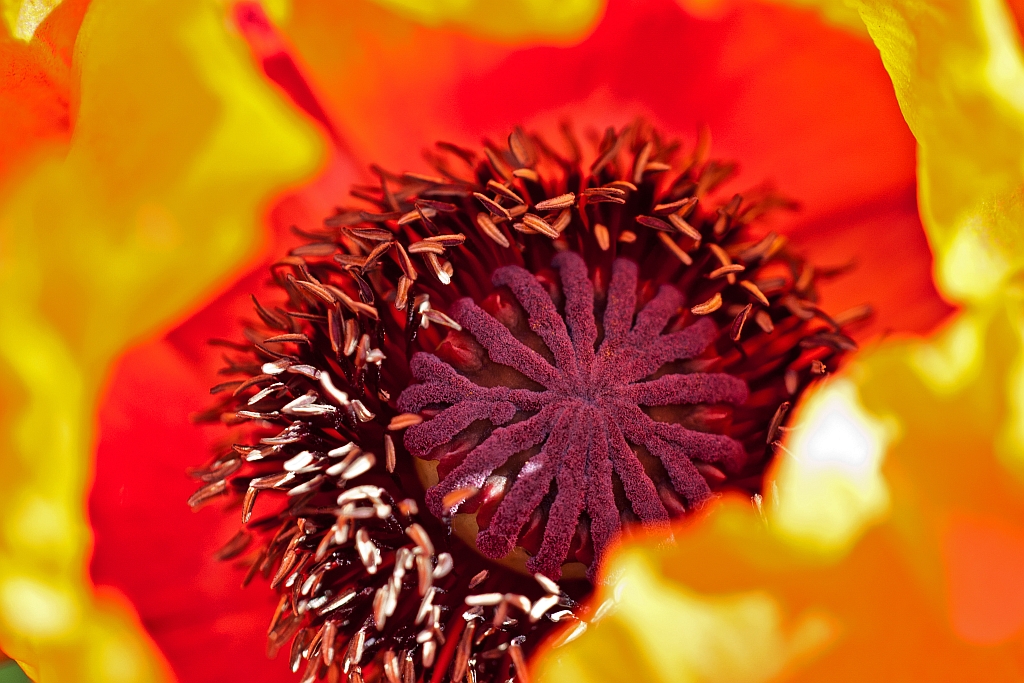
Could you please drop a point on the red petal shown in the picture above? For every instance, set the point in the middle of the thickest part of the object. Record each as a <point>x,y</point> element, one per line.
<point>150,545</point>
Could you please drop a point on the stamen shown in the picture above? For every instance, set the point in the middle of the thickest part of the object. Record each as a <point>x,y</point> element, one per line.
<point>591,347</point>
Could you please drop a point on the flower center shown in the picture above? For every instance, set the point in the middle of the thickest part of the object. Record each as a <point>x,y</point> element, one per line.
<point>593,383</point>
<point>569,349</point>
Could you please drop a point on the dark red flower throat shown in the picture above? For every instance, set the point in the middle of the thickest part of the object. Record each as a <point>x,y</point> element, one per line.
<point>591,351</point>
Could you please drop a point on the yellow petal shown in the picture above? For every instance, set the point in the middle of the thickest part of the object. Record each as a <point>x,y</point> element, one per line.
<point>662,632</point>
<point>559,20</point>
<point>959,77</point>
<point>24,16</point>
<point>827,486</point>
<point>177,145</point>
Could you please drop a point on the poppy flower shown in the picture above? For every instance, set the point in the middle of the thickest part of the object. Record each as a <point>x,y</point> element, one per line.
<point>769,102</point>
<point>553,420</point>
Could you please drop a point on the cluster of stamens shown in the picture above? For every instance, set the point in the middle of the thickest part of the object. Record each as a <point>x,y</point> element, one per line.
<point>566,354</point>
